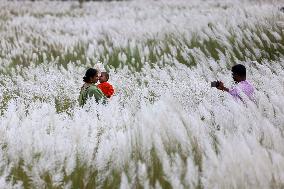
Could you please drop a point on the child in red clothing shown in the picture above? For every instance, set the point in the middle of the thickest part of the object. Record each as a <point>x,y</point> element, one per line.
<point>105,87</point>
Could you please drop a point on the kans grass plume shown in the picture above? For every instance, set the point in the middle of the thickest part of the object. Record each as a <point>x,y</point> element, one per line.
<point>164,127</point>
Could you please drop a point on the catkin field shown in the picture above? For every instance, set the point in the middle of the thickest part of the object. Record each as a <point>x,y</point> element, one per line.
<point>165,127</point>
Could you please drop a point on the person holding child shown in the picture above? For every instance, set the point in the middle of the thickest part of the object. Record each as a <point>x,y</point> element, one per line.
<point>89,89</point>
<point>104,85</point>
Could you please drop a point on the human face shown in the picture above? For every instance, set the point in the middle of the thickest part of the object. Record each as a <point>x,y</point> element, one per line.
<point>95,78</point>
<point>103,78</point>
<point>236,77</point>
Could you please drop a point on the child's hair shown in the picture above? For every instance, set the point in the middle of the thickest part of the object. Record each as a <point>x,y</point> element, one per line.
<point>91,72</point>
<point>106,74</point>
<point>239,69</point>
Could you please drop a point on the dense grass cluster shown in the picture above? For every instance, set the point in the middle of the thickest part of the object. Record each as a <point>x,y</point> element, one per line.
<point>165,127</point>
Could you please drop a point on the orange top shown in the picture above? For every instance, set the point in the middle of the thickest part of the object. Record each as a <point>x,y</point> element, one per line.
<point>106,88</point>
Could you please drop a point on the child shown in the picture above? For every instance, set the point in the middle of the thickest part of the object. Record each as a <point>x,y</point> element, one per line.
<point>105,87</point>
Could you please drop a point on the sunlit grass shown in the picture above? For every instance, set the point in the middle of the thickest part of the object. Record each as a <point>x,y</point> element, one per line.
<point>165,127</point>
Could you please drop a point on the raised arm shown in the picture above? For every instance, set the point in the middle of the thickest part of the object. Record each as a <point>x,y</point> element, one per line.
<point>222,87</point>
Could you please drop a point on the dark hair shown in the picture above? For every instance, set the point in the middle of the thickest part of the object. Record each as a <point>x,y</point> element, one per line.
<point>239,70</point>
<point>91,72</point>
<point>106,74</point>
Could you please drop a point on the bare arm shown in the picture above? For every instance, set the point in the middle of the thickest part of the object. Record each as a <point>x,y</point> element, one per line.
<point>222,87</point>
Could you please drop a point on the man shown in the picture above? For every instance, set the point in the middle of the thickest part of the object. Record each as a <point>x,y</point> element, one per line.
<point>243,86</point>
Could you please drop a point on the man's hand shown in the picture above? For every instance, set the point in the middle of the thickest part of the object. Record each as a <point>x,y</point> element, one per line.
<point>221,86</point>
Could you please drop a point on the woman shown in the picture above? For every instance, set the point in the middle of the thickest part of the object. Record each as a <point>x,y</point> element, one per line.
<point>89,89</point>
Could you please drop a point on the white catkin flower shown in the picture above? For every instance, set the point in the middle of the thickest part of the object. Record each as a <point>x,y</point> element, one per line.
<point>124,182</point>
<point>100,67</point>
<point>164,126</point>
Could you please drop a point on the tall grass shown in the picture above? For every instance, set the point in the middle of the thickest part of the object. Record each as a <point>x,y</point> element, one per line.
<point>165,127</point>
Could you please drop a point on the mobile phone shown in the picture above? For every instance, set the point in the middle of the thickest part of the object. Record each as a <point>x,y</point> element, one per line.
<point>214,83</point>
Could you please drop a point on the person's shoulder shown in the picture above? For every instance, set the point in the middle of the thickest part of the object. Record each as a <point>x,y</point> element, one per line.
<point>93,88</point>
<point>105,84</point>
<point>244,82</point>
<point>108,84</point>
<point>248,83</point>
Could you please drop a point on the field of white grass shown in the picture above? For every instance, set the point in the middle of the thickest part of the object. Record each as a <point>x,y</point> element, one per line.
<point>165,127</point>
